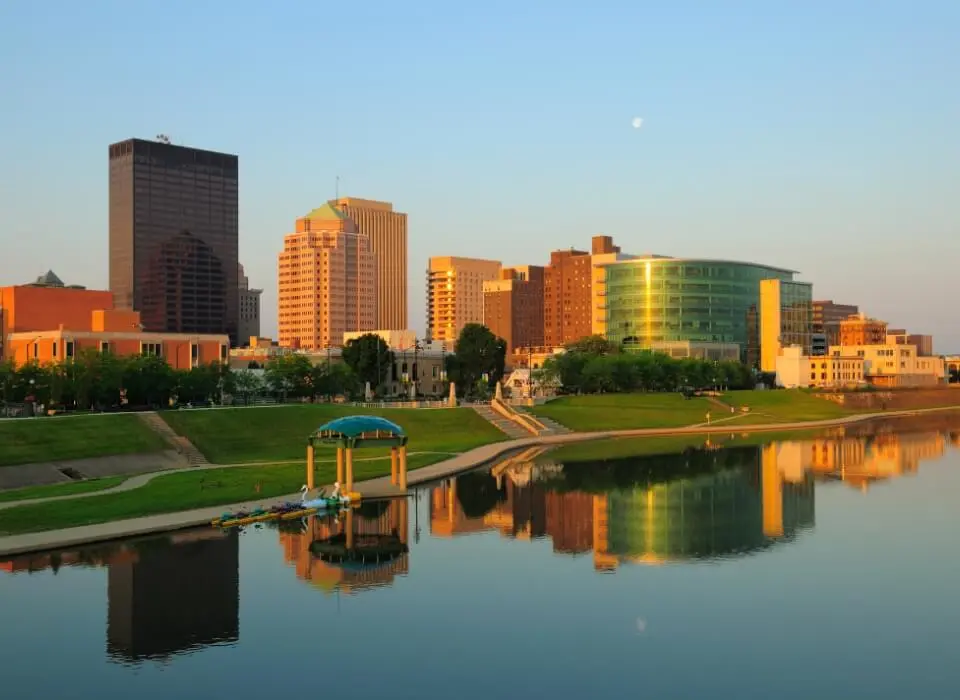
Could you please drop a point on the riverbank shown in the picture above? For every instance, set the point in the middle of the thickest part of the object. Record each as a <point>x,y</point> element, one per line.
<point>381,488</point>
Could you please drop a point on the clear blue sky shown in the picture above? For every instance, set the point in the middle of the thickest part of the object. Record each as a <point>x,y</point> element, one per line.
<point>817,135</point>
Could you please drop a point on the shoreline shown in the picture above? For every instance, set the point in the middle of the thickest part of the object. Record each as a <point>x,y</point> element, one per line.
<point>380,487</point>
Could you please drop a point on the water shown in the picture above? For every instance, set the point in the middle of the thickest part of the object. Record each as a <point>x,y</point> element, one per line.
<point>810,568</point>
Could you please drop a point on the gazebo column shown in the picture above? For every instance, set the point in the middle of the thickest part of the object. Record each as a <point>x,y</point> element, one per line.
<point>349,456</point>
<point>403,467</point>
<point>340,465</point>
<point>310,466</point>
<point>394,465</point>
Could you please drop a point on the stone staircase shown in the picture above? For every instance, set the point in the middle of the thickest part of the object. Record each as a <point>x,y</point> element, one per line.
<point>552,427</point>
<point>181,444</point>
<point>506,426</point>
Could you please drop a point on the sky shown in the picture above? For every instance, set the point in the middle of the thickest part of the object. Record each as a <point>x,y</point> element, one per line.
<point>819,136</point>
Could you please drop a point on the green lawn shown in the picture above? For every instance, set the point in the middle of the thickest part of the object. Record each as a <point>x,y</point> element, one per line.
<point>625,411</point>
<point>237,435</point>
<point>621,448</point>
<point>71,488</point>
<point>185,491</point>
<point>782,406</point>
<point>25,440</point>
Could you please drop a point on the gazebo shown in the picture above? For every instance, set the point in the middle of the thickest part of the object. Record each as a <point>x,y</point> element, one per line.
<point>350,432</point>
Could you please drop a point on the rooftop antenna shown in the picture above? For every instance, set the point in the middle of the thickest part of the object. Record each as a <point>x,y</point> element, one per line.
<point>163,138</point>
<point>337,189</point>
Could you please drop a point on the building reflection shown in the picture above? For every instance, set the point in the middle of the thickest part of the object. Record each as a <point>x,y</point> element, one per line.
<point>361,549</point>
<point>165,596</point>
<point>749,500</point>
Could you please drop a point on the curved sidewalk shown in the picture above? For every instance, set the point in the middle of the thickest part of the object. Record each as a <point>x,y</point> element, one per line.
<point>382,488</point>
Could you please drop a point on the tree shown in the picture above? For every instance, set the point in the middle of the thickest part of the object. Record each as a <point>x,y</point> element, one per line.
<point>593,345</point>
<point>148,381</point>
<point>370,359</point>
<point>247,384</point>
<point>8,377</point>
<point>289,375</point>
<point>954,375</point>
<point>478,352</point>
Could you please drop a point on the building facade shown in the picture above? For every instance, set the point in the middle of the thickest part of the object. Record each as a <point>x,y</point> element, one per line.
<point>455,294</point>
<point>56,324</point>
<point>889,365</point>
<point>174,236</point>
<point>568,294</point>
<point>327,283</point>
<point>653,300</point>
<point>249,308</point>
<point>387,231</point>
<point>513,306</point>
<point>923,343</point>
<point>827,316</point>
<point>862,330</point>
<point>795,368</point>
<point>786,319</point>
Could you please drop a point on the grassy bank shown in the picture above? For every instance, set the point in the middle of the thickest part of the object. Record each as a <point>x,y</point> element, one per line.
<point>71,488</point>
<point>625,411</point>
<point>26,440</point>
<point>230,436</point>
<point>625,448</point>
<point>629,411</point>
<point>185,491</point>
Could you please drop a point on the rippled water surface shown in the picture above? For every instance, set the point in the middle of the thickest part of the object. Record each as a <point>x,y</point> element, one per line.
<point>824,567</point>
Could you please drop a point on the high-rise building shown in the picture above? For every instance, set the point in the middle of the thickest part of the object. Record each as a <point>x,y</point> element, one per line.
<point>827,316</point>
<point>862,330</point>
<point>249,308</point>
<point>568,295</point>
<point>387,230</point>
<point>455,294</point>
<point>785,319</point>
<point>656,303</point>
<point>513,306</point>
<point>327,282</point>
<point>174,236</point>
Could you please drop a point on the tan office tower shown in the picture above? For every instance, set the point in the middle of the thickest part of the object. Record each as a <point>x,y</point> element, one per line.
<point>327,281</point>
<point>455,294</point>
<point>387,230</point>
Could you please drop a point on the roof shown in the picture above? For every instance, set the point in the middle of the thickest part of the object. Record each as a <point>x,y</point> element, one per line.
<point>49,280</point>
<point>354,426</point>
<point>326,212</point>
<point>696,261</point>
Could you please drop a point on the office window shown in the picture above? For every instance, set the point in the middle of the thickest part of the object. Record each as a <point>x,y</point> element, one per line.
<point>104,346</point>
<point>69,348</point>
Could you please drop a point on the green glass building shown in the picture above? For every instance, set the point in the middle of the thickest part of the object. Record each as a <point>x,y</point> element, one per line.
<point>662,300</point>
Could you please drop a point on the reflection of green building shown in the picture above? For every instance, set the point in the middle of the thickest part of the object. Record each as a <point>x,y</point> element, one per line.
<point>657,300</point>
<point>704,516</point>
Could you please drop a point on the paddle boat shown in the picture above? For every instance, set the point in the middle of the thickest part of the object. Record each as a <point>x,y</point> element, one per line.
<point>289,510</point>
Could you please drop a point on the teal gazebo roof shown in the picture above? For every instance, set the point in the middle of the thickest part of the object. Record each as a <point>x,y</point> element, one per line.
<point>362,428</point>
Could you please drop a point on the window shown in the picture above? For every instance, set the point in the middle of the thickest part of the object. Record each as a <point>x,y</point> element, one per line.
<point>54,348</point>
<point>69,348</point>
<point>151,349</point>
<point>223,353</point>
<point>104,347</point>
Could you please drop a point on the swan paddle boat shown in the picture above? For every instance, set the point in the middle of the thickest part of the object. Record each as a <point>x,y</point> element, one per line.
<point>290,510</point>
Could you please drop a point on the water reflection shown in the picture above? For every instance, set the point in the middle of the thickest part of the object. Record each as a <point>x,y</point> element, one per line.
<point>165,596</point>
<point>702,504</point>
<point>363,548</point>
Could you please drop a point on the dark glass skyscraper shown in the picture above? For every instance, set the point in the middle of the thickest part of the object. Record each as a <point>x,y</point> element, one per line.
<point>174,236</point>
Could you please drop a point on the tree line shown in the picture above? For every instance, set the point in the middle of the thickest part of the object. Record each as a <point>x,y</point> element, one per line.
<point>594,365</point>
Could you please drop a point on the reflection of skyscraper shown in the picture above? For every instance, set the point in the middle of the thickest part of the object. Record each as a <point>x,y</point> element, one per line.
<point>174,598</point>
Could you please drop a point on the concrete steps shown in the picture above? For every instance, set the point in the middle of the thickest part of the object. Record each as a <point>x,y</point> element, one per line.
<point>181,444</point>
<point>506,426</point>
<point>552,427</point>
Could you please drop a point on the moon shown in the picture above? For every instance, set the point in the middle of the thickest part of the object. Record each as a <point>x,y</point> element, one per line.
<point>637,122</point>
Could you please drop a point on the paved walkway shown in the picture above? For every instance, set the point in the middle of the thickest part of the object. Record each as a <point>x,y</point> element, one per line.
<point>381,487</point>
<point>49,473</point>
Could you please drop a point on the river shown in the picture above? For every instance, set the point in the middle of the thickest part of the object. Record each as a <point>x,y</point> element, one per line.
<point>822,566</point>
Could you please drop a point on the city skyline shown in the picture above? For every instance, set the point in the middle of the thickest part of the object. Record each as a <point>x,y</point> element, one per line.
<point>798,137</point>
